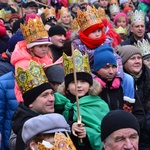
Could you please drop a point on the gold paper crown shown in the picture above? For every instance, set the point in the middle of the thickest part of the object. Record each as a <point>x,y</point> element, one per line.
<point>10,1</point>
<point>114,8</point>
<point>61,142</point>
<point>121,30</point>
<point>137,16</point>
<point>30,78</point>
<point>63,10</point>
<point>49,12</point>
<point>5,14</point>
<point>113,2</point>
<point>88,18</point>
<point>74,25</point>
<point>144,46</point>
<point>101,13</point>
<point>80,62</point>
<point>34,30</point>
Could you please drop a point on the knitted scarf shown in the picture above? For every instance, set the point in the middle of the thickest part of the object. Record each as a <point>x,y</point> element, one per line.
<point>90,42</point>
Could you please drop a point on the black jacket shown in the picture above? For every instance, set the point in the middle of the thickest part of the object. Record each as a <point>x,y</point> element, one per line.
<point>142,88</point>
<point>131,40</point>
<point>114,99</point>
<point>21,115</point>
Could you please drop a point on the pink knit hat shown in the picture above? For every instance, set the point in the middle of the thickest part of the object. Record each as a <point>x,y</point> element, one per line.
<point>119,15</point>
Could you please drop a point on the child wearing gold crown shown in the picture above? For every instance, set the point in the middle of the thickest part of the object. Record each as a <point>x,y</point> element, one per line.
<point>92,36</point>
<point>34,47</point>
<point>92,108</point>
<point>54,135</point>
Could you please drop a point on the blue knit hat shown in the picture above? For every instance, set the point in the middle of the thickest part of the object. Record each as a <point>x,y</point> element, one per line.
<point>104,56</point>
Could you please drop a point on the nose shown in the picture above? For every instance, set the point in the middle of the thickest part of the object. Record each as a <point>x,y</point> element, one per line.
<point>51,97</point>
<point>63,37</point>
<point>78,84</point>
<point>110,70</point>
<point>128,145</point>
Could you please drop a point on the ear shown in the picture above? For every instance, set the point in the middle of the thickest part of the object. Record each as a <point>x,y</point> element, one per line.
<point>131,28</point>
<point>32,145</point>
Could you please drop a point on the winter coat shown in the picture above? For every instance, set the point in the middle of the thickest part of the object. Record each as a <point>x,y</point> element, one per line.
<point>5,65</point>
<point>8,104</point>
<point>131,40</point>
<point>114,97</point>
<point>20,58</point>
<point>21,115</point>
<point>92,111</point>
<point>142,88</point>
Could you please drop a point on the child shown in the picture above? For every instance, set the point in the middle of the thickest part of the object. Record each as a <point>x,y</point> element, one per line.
<point>35,47</point>
<point>92,107</point>
<point>121,20</point>
<point>52,136</point>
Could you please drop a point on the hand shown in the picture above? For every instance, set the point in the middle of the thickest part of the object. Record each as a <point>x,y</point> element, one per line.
<point>79,130</point>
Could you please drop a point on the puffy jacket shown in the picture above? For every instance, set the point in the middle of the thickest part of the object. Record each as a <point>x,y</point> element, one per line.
<point>8,104</point>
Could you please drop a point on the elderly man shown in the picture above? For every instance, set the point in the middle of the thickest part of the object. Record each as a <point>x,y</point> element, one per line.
<point>137,28</point>
<point>120,131</point>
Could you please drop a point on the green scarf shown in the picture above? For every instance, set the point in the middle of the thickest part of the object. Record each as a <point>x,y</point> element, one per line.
<point>92,111</point>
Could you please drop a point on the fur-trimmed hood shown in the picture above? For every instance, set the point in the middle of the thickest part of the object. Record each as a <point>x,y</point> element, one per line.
<point>94,90</point>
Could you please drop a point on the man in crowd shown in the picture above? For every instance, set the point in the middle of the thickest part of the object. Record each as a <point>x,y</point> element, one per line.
<point>120,131</point>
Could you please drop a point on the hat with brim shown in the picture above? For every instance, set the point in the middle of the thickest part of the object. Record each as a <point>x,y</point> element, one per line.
<point>44,124</point>
<point>41,41</point>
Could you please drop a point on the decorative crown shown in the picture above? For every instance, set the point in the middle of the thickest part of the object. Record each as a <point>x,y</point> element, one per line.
<point>121,30</point>
<point>101,13</point>
<point>144,46</point>
<point>5,14</point>
<point>30,78</point>
<point>88,18</point>
<point>63,10</point>
<point>80,62</point>
<point>137,16</point>
<point>74,25</point>
<point>60,142</point>
<point>49,12</point>
<point>113,2</point>
<point>114,8</point>
<point>34,30</point>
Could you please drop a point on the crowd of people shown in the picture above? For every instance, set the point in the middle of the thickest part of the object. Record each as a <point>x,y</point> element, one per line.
<point>75,75</point>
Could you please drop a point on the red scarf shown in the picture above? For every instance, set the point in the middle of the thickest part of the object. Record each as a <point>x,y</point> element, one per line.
<point>90,42</point>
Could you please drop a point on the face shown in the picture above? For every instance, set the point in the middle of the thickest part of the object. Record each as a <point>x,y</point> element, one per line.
<point>42,137</point>
<point>40,50</point>
<point>125,4</point>
<point>123,139</point>
<point>134,64</point>
<point>31,10</point>
<point>82,87</point>
<point>147,62</point>
<point>112,16</point>
<point>9,33</point>
<point>75,9</point>
<point>58,40</point>
<point>138,30</point>
<point>44,103</point>
<point>96,34</point>
<point>66,18</point>
<point>12,21</point>
<point>108,72</point>
<point>4,1</point>
<point>121,22</point>
<point>103,3</point>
